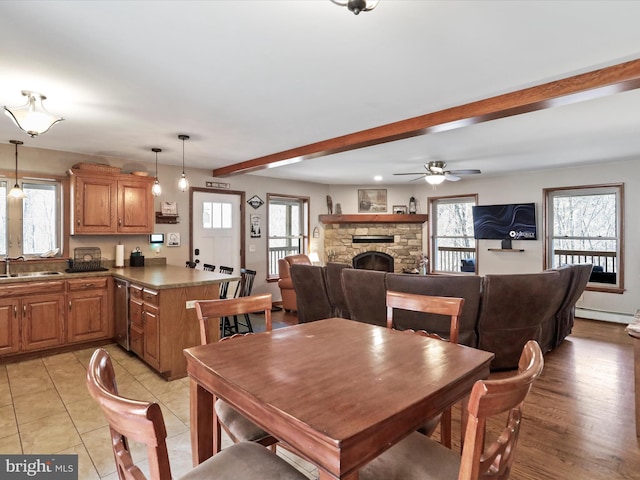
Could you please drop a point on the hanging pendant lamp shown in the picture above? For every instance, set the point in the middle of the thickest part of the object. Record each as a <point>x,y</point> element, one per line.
<point>32,118</point>
<point>156,190</point>
<point>16,192</point>
<point>183,183</point>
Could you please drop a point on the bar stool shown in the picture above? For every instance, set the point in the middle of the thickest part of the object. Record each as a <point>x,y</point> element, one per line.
<point>225,324</point>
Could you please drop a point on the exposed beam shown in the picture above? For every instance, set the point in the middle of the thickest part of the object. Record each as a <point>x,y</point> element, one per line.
<point>578,88</point>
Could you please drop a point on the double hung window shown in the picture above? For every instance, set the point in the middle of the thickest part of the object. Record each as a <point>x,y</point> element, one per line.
<point>288,228</point>
<point>452,246</point>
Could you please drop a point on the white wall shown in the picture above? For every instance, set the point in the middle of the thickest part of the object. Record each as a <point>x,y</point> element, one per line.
<point>517,188</point>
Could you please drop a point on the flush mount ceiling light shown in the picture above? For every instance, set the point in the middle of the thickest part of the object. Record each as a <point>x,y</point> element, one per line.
<point>434,179</point>
<point>16,192</point>
<point>357,6</point>
<point>32,117</point>
<point>183,183</point>
<point>156,190</point>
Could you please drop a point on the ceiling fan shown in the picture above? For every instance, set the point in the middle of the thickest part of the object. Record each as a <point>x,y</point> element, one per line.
<point>436,174</point>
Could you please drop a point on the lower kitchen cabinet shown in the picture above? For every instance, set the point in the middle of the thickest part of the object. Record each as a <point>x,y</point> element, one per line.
<point>88,309</point>
<point>9,326</point>
<point>42,321</point>
<point>161,326</point>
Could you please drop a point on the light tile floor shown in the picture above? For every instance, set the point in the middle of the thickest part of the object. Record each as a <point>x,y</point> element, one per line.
<point>45,408</point>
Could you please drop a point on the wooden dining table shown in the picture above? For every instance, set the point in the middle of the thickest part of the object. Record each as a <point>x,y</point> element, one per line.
<point>336,392</point>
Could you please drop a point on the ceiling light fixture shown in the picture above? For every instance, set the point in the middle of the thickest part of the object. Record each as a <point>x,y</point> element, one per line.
<point>32,117</point>
<point>16,192</point>
<point>434,179</point>
<point>156,190</point>
<point>357,6</point>
<point>183,183</point>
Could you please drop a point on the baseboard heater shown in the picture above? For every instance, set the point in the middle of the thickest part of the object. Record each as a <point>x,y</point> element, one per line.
<point>372,239</point>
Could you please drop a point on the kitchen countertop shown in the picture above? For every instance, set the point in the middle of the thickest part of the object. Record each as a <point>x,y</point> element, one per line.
<point>156,276</point>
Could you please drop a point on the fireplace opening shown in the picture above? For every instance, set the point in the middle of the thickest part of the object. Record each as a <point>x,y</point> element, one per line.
<point>374,261</point>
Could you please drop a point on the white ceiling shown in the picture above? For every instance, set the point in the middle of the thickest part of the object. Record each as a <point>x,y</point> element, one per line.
<point>250,78</point>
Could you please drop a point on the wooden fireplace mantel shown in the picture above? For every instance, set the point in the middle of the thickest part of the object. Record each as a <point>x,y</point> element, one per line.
<point>374,218</point>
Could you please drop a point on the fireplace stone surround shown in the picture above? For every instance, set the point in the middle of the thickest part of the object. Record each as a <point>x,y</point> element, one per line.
<point>339,245</point>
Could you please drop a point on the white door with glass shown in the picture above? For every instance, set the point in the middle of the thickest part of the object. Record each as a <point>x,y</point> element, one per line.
<point>216,230</point>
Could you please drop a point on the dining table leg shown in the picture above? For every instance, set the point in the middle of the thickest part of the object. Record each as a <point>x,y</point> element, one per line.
<point>201,421</point>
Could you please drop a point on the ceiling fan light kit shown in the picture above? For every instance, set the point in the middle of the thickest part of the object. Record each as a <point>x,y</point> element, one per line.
<point>357,6</point>
<point>435,173</point>
<point>32,118</point>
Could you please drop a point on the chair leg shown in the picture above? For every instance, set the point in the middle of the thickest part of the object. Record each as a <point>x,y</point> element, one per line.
<point>248,320</point>
<point>217,434</point>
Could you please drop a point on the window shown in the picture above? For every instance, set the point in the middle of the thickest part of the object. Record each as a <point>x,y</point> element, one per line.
<point>584,225</point>
<point>288,228</point>
<point>33,225</point>
<point>452,246</point>
<point>217,215</point>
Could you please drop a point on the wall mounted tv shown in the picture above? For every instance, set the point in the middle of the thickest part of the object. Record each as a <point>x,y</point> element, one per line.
<point>514,221</point>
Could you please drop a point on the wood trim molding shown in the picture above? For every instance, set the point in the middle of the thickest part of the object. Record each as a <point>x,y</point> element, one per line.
<point>373,218</point>
<point>586,86</point>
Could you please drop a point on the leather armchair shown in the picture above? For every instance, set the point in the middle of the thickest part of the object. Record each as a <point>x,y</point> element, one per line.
<point>285,283</point>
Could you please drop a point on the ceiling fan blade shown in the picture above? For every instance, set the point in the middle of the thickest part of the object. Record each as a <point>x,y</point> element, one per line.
<point>471,171</point>
<point>451,178</point>
<point>414,173</point>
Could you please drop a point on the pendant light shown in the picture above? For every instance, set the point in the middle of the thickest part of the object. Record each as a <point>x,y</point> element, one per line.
<point>16,192</point>
<point>156,190</point>
<point>183,183</point>
<point>32,118</point>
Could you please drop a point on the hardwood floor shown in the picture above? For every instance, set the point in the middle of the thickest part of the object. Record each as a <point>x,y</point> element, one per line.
<point>579,420</point>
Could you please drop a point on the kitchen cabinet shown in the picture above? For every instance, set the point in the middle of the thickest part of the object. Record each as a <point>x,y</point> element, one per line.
<point>88,309</point>
<point>144,330</point>
<point>31,316</point>
<point>9,326</point>
<point>111,203</point>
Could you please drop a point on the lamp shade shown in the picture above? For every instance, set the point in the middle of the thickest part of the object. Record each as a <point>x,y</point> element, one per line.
<point>434,179</point>
<point>32,117</point>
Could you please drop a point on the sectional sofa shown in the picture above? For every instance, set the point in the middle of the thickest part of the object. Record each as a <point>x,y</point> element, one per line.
<point>500,314</point>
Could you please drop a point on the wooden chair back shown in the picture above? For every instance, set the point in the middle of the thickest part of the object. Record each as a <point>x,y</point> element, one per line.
<point>245,285</point>
<point>207,310</point>
<point>448,306</point>
<point>224,286</point>
<point>128,419</point>
<point>493,397</point>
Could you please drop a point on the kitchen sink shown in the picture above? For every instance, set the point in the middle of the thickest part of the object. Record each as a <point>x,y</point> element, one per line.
<point>34,274</point>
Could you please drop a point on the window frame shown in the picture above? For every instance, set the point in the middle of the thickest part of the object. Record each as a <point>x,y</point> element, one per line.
<point>433,202</point>
<point>62,207</point>
<point>305,224</point>
<point>581,190</point>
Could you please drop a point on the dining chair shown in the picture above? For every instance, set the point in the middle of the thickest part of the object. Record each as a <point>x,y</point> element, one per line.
<point>441,306</point>
<point>243,289</point>
<point>207,267</point>
<point>238,427</point>
<point>143,422</point>
<point>225,323</point>
<point>419,457</point>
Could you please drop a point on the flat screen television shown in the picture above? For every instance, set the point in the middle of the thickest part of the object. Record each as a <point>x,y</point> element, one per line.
<point>514,221</point>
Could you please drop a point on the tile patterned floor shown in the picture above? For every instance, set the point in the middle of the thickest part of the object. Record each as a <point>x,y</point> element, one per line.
<point>45,408</point>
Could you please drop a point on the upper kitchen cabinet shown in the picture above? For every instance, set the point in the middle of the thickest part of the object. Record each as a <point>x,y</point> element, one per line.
<point>110,203</point>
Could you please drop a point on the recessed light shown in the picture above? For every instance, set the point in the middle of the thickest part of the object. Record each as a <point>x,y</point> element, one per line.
<point>378,178</point>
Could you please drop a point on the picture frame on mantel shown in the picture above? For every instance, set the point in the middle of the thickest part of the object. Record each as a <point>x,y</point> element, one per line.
<point>400,209</point>
<point>372,200</point>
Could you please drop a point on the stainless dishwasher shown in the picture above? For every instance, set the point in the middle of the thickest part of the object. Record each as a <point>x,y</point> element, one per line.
<point>122,313</point>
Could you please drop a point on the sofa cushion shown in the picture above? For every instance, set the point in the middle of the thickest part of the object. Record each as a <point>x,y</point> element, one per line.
<point>467,287</point>
<point>333,276</point>
<point>311,292</point>
<point>518,308</point>
<point>365,293</point>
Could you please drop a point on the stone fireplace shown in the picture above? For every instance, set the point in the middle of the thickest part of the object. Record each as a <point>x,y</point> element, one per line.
<point>397,237</point>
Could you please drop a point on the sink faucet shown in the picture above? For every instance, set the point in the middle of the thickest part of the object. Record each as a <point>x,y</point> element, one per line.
<point>7,258</point>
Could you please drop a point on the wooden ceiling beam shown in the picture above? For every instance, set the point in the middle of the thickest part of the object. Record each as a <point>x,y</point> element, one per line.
<point>586,86</point>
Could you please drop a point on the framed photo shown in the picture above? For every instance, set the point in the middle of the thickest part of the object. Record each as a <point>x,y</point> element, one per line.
<point>169,208</point>
<point>400,209</point>
<point>372,200</point>
<point>256,226</point>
